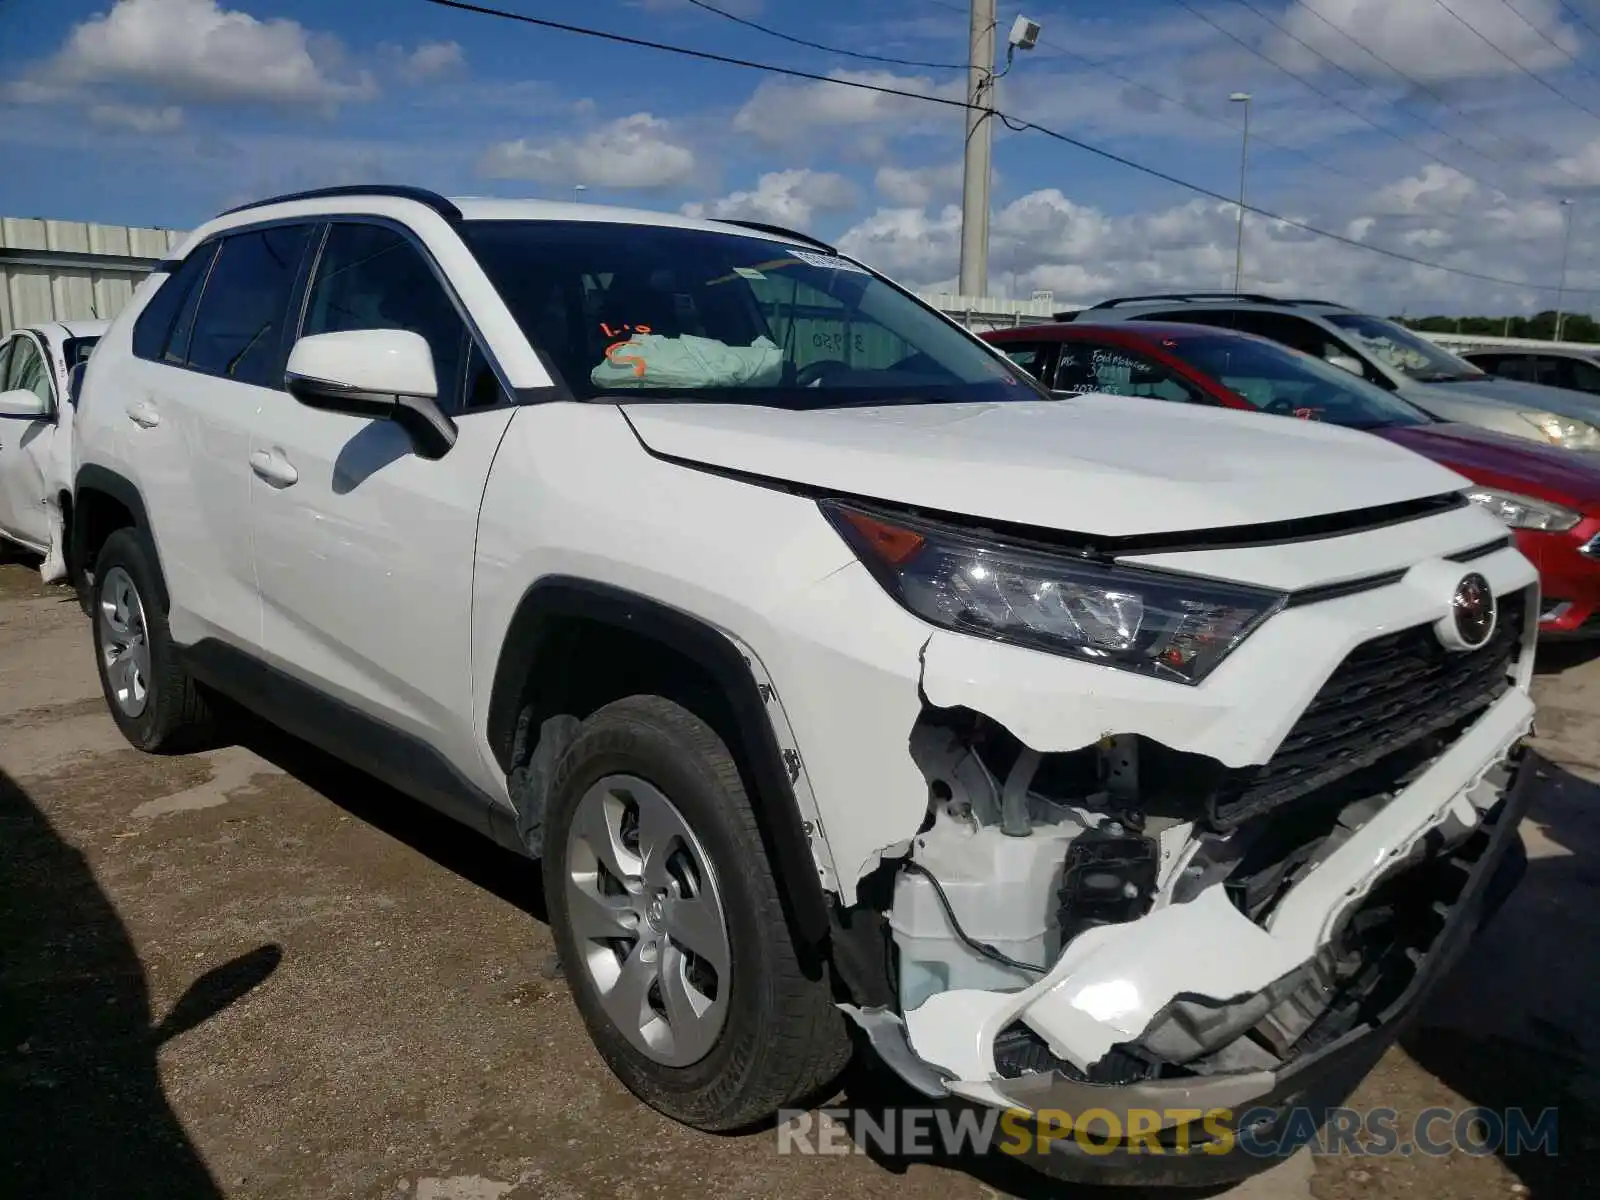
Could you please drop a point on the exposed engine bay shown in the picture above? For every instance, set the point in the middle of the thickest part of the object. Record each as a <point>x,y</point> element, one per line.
<point>1127,914</point>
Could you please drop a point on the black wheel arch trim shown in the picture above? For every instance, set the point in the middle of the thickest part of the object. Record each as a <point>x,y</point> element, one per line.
<point>91,477</point>
<point>776,807</point>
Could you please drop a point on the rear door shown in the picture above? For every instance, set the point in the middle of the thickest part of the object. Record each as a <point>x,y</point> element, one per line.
<point>25,443</point>
<point>363,549</point>
<point>191,417</point>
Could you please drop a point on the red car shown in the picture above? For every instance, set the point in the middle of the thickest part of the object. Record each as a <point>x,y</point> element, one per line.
<point>1548,496</point>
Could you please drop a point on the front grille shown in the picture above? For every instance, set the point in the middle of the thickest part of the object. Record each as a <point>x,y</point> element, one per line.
<point>1389,693</point>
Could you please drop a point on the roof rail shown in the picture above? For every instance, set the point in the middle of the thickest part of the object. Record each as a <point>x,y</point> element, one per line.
<point>395,190</point>
<point>1247,297</point>
<point>1323,303</point>
<point>778,231</point>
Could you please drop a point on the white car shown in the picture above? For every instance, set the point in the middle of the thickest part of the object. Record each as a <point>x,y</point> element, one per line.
<point>36,410</point>
<point>1068,748</point>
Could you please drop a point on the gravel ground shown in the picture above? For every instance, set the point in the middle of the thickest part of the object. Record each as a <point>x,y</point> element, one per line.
<point>255,973</point>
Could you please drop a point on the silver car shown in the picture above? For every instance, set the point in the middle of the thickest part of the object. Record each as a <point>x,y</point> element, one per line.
<point>1385,353</point>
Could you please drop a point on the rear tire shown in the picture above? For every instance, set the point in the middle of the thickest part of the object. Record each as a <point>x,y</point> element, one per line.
<point>155,703</point>
<point>672,918</point>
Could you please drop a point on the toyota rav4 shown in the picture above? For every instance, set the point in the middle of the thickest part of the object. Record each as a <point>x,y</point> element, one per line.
<point>849,686</point>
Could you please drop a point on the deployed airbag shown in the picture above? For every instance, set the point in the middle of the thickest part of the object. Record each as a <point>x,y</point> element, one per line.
<point>652,361</point>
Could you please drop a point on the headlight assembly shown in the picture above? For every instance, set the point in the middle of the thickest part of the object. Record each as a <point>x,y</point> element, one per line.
<point>1170,626</point>
<point>1524,512</point>
<point>1567,432</point>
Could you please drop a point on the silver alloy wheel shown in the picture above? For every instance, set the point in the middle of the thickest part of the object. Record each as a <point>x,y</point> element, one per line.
<point>647,915</point>
<point>124,642</point>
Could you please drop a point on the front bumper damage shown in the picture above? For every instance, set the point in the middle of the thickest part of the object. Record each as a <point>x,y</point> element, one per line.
<point>1291,1015</point>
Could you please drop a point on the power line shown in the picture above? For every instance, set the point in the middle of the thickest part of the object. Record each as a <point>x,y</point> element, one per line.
<point>1555,45</point>
<point>1578,17</point>
<point>1539,79</point>
<point>1010,122</point>
<point>1334,100</point>
<point>879,58</point>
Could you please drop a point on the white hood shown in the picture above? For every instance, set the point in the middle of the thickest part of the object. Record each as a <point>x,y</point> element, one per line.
<point>1111,466</point>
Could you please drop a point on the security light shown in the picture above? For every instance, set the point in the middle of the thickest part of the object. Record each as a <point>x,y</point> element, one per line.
<point>1024,34</point>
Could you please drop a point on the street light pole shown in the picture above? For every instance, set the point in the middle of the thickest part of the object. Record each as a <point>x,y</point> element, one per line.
<point>1244,160</point>
<point>978,156</point>
<point>1566,244</point>
<point>578,190</point>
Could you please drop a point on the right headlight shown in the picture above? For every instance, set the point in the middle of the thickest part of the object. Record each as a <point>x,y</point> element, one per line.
<point>1567,432</point>
<point>1525,512</point>
<point>1170,626</point>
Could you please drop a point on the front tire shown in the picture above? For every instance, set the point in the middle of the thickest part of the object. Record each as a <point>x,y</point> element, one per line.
<point>152,699</point>
<point>669,926</point>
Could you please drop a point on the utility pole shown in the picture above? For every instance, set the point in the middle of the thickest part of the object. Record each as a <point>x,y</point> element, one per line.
<point>979,151</point>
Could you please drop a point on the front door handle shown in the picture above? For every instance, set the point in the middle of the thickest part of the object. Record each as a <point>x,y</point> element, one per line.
<point>272,466</point>
<point>143,414</point>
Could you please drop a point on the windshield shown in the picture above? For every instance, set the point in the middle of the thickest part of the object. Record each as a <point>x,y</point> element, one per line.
<point>630,312</point>
<point>1396,346</point>
<point>1278,380</point>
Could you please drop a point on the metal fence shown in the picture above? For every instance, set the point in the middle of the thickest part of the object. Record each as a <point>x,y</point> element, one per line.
<point>65,270</point>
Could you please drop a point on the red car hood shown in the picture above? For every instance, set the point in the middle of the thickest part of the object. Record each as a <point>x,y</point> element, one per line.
<point>1514,464</point>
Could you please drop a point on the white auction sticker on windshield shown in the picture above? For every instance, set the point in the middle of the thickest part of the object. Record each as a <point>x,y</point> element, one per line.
<point>748,272</point>
<point>830,262</point>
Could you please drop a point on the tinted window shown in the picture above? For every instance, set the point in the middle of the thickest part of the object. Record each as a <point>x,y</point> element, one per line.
<point>1585,376</point>
<point>483,387</point>
<point>1031,357</point>
<point>154,325</point>
<point>641,311</point>
<point>370,277</point>
<point>1278,380</point>
<point>1092,367</point>
<point>76,350</point>
<point>238,331</point>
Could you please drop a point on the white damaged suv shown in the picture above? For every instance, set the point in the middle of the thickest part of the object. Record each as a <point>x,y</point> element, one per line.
<point>1069,753</point>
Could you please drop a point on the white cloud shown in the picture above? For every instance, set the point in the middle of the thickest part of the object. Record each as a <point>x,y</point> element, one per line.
<point>918,186</point>
<point>1044,240</point>
<point>1423,39</point>
<point>639,151</point>
<point>137,118</point>
<point>196,49</point>
<point>782,112</point>
<point>433,60</point>
<point>783,198</point>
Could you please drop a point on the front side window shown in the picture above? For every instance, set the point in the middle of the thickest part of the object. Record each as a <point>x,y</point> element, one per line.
<point>1278,380</point>
<point>153,329</point>
<point>1094,367</point>
<point>238,327</point>
<point>645,311</point>
<point>28,371</point>
<point>371,277</point>
<point>1398,348</point>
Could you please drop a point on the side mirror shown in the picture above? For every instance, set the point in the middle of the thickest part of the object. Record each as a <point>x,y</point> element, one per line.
<point>1345,363</point>
<point>20,402</point>
<point>386,374</point>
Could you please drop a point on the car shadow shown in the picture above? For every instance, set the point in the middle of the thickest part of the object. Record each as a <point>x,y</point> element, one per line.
<point>81,1100</point>
<point>456,847</point>
<point>1513,1026</point>
<point>1553,657</point>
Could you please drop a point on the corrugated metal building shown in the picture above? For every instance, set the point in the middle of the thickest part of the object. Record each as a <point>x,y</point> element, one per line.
<point>64,270</point>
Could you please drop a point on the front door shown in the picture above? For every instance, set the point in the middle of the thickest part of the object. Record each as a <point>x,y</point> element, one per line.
<point>364,551</point>
<point>25,445</point>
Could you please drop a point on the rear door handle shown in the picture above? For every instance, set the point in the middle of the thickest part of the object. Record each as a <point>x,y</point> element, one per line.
<point>272,466</point>
<point>143,414</point>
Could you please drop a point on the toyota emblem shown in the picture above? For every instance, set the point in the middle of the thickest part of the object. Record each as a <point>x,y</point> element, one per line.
<point>1473,611</point>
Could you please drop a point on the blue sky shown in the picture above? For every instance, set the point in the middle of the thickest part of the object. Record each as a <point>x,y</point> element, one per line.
<point>1449,130</point>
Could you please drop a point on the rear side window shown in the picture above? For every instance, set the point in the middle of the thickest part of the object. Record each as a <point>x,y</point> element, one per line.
<point>153,328</point>
<point>238,328</point>
<point>1030,356</point>
<point>1088,367</point>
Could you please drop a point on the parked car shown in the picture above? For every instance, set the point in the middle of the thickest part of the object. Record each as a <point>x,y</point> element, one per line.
<point>1550,498</point>
<point>827,661</point>
<point>36,410</point>
<point>1384,353</point>
<point>1562,367</point>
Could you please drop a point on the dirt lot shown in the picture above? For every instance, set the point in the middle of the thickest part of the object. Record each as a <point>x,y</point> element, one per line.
<point>255,973</point>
